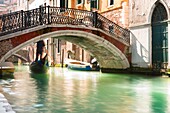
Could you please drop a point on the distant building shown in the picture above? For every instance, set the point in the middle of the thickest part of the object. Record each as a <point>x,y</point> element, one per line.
<point>3,9</point>
<point>7,6</point>
<point>22,5</point>
<point>114,10</point>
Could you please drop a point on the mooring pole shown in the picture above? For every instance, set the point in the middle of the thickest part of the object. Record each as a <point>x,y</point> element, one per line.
<point>62,59</point>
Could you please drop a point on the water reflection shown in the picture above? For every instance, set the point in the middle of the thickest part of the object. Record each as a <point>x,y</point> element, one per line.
<point>63,91</point>
<point>168,97</point>
<point>41,82</point>
<point>159,95</point>
<point>74,89</point>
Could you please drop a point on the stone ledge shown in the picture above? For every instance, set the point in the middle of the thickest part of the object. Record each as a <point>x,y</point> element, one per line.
<point>138,70</point>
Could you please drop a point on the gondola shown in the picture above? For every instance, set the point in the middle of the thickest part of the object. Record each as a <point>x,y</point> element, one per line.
<point>40,66</point>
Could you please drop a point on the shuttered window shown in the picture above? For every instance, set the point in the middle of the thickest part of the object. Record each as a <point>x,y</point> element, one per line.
<point>110,2</point>
<point>64,3</point>
<point>79,1</point>
<point>94,4</point>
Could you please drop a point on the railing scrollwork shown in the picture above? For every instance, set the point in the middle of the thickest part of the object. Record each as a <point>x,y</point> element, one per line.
<point>21,20</point>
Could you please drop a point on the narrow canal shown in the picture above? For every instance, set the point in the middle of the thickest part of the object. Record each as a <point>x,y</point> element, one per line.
<point>67,91</point>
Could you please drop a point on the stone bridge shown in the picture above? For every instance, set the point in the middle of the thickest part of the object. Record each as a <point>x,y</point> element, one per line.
<point>102,38</point>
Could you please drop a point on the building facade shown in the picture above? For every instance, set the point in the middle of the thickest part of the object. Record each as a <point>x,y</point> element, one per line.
<point>115,10</point>
<point>7,6</point>
<point>149,25</point>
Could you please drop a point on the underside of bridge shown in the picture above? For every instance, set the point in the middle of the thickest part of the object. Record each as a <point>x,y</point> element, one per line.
<point>108,55</point>
<point>20,57</point>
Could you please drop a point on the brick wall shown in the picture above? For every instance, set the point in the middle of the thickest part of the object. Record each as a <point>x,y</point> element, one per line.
<point>119,15</point>
<point>114,15</point>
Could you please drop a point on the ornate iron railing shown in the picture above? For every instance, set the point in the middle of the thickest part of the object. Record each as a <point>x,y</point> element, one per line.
<point>21,20</point>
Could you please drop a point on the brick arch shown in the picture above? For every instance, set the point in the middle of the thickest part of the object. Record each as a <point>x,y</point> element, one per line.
<point>109,52</point>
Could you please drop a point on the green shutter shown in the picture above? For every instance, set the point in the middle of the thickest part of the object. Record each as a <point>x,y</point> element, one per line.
<point>94,4</point>
<point>159,36</point>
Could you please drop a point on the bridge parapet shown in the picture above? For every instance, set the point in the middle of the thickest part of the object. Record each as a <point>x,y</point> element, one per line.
<point>21,20</point>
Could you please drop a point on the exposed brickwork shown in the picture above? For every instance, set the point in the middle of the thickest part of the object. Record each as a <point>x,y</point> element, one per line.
<point>5,46</point>
<point>114,15</point>
<point>25,37</point>
<point>119,15</point>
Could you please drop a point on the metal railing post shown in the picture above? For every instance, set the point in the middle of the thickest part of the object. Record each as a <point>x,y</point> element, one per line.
<point>95,19</point>
<point>22,19</point>
<point>33,16</point>
<point>25,19</point>
<point>48,7</point>
<point>3,23</point>
<point>40,15</point>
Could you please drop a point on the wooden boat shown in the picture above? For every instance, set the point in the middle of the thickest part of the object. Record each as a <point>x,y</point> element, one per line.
<point>7,68</point>
<point>78,65</point>
<point>166,73</point>
<point>40,66</point>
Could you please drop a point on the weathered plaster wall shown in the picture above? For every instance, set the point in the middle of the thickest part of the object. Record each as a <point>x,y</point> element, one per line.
<point>140,45</point>
<point>141,10</point>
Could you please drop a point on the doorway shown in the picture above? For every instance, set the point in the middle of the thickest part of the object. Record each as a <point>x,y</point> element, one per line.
<point>159,37</point>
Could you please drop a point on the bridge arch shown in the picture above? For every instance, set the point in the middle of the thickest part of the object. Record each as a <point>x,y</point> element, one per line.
<point>107,54</point>
<point>20,57</point>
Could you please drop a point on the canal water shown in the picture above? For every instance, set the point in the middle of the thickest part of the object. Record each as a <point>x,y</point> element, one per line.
<point>67,91</point>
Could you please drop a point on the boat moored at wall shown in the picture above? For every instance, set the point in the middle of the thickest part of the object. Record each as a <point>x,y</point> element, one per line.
<point>79,65</point>
<point>7,68</point>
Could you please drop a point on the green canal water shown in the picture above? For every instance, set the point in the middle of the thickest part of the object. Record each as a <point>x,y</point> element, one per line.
<point>67,91</point>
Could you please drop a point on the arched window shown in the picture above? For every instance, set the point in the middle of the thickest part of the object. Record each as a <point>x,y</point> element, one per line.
<point>159,37</point>
<point>159,13</point>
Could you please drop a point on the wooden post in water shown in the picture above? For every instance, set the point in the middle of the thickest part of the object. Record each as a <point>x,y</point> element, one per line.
<point>82,55</point>
<point>62,59</point>
<point>0,71</point>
